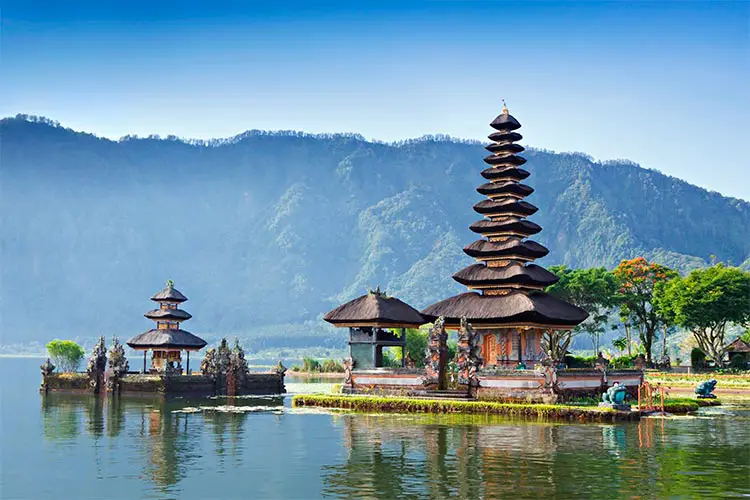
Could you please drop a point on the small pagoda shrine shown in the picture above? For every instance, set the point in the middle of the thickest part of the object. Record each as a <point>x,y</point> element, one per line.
<point>375,321</point>
<point>167,340</point>
<point>506,304</point>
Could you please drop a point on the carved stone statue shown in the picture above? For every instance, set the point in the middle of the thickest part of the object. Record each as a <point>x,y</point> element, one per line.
<point>348,366</point>
<point>97,365</point>
<point>436,355</point>
<point>468,354</point>
<point>47,368</point>
<point>705,389</point>
<point>208,365</point>
<point>238,364</point>
<point>614,397</point>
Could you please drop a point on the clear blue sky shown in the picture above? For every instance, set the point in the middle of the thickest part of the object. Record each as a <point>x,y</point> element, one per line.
<point>664,84</point>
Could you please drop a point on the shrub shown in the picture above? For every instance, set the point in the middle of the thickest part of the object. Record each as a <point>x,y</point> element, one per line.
<point>738,361</point>
<point>332,366</point>
<point>310,365</point>
<point>65,354</point>
<point>580,361</point>
<point>697,359</point>
<point>621,362</point>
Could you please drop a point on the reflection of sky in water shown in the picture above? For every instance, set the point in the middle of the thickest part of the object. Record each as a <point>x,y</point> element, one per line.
<point>206,448</point>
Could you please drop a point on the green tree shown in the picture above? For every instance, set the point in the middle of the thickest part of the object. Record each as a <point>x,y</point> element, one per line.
<point>593,290</point>
<point>637,280</point>
<point>66,354</point>
<point>705,302</point>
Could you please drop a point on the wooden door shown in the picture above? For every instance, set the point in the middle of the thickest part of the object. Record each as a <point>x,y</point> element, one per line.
<point>489,349</point>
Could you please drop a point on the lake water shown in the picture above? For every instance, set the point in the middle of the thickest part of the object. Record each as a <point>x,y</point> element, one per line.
<point>75,447</point>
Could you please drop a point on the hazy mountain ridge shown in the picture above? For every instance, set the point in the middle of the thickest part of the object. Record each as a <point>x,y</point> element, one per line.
<point>276,228</point>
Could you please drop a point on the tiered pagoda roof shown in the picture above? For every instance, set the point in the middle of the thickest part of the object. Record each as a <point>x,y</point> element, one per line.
<point>506,286</point>
<point>167,334</point>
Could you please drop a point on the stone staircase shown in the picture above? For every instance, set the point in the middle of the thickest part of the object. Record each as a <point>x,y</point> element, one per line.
<point>451,394</point>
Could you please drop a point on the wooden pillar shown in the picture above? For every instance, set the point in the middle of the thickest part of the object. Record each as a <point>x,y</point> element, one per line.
<point>187,370</point>
<point>521,337</point>
<point>144,360</point>
<point>403,347</point>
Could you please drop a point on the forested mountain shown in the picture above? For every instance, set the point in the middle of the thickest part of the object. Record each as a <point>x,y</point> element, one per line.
<point>271,229</point>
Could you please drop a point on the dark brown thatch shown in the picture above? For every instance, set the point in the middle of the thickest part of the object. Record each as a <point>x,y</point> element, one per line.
<point>738,345</point>
<point>375,309</point>
<point>504,148</point>
<point>505,188</point>
<point>504,136</point>
<point>505,206</point>
<point>514,173</point>
<point>516,308</point>
<point>168,314</point>
<point>520,227</point>
<point>479,275</point>
<point>483,249</point>
<point>505,121</point>
<point>167,339</point>
<point>169,294</point>
<point>505,160</point>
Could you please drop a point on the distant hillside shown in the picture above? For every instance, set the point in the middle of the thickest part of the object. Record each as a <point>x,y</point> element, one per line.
<point>268,229</point>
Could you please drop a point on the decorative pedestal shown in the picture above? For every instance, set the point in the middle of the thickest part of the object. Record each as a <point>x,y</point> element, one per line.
<point>615,406</point>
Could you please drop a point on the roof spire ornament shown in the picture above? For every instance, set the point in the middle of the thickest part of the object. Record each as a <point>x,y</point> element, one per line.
<point>170,283</point>
<point>505,108</point>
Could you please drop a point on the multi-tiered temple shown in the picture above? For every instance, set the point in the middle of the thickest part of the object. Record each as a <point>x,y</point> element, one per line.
<point>167,340</point>
<point>506,303</point>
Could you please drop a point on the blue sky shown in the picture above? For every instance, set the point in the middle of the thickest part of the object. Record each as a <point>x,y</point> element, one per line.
<point>664,84</point>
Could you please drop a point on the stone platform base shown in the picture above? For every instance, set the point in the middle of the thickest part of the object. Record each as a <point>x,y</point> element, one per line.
<point>615,406</point>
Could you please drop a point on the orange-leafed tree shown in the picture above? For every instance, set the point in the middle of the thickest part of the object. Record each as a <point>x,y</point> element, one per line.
<point>638,278</point>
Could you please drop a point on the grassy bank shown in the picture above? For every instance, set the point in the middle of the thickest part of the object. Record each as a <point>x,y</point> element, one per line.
<point>725,380</point>
<point>406,405</point>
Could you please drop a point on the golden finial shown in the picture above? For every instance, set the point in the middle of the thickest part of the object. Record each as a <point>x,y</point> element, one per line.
<point>505,108</point>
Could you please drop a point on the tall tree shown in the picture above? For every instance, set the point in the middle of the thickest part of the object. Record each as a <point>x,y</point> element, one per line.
<point>705,302</point>
<point>594,290</point>
<point>637,280</point>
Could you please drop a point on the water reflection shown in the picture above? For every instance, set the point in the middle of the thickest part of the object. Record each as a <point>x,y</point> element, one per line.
<point>168,438</point>
<point>471,457</point>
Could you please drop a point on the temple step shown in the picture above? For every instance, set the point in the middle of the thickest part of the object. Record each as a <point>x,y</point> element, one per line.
<point>447,394</point>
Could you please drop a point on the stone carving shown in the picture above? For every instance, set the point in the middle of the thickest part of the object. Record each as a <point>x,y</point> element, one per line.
<point>436,354</point>
<point>97,365</point>
<point>209,363</point>
<point>280,368</point>
<point>238,363</point>
<point>348,366</point>
<point>118,363</point>
<point>468,354</point>
<point>705,389</point>
<point>640,362</point>
<point>601,363</point>
<point>614,397</point>
<point>555,344</point>
<point>47,368</point>
<point>503,356</point>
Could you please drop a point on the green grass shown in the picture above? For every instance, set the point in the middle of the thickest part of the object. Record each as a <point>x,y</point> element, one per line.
<point>407,405</point>
<point>728,381</point>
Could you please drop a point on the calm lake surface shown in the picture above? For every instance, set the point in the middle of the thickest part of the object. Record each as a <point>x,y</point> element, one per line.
<point>74,447</point>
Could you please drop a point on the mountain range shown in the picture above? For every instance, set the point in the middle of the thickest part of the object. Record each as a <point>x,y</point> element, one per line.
<point>266,231</point>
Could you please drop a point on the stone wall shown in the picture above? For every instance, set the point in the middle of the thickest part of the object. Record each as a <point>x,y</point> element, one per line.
<point>70,382</point>
<point>386,381</point>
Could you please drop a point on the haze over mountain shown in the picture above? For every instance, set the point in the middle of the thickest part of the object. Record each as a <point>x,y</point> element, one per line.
<point>264,232</point>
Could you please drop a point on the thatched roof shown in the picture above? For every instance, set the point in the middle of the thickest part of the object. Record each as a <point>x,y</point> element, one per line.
<point>167,339</point>
<point>505,121</point>
<point>521,227</point>
<point>169,294</point>
<point>505,206</point>
<point>479,275</point>
<point>514,173</point>
<point>505,160</point>
<point>375,309</point>
<point>738,345</point>
<point>504,135</point>
<point>517,308</point>
<point>504,148</point>
<point>505,188</point>
<point>489,249</point>
<point>168,314</point>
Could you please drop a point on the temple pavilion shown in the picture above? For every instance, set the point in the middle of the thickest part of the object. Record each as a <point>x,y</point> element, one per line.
<point>167,340</point>
<point>375,321</point>
<point>505,302</point>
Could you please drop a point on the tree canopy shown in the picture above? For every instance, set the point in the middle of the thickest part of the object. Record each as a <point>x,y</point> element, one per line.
<point>66,354</point>
<point>705,302</point>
